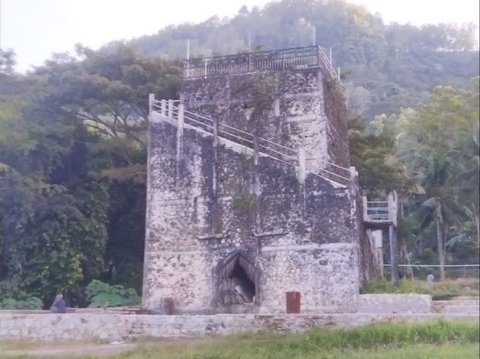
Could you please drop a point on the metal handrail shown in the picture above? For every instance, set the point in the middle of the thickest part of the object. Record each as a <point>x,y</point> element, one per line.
<point>326,65</point>
<point>281,153</point>
<point>335,174</point>
<point>278,145</point>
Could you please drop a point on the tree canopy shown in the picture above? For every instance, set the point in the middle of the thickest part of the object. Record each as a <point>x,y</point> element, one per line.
<point>73,138</point>
<point>72,170</point>
<point>388,66</point>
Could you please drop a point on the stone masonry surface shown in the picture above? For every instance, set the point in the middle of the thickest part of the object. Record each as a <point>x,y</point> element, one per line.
<point>232,230</point>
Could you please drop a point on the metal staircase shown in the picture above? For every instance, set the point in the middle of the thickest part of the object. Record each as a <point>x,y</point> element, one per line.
<point>175,112</point>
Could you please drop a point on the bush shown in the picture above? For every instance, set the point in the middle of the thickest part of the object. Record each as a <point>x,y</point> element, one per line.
<point>27,303</point>
<point>101,294</point>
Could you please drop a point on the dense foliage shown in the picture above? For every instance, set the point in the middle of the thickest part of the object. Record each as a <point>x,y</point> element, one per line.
<point>27,303</point>
<point>73,139</point>
<point>436,146</point>
<point>72,171</point>
<point>386,66</point>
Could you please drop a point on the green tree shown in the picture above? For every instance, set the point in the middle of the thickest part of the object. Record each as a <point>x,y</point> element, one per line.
<point>372,153</point>
<point>72,146</point>
<point>431,144</point>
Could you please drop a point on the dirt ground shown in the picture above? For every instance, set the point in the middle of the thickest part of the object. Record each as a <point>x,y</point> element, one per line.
<point>69,350</point>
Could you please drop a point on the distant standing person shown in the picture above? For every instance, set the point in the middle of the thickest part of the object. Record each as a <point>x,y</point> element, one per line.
<point>59,305</point>
<point>430,278</point>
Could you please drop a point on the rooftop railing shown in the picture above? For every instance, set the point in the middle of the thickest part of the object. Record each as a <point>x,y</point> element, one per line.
<point>274,60</point>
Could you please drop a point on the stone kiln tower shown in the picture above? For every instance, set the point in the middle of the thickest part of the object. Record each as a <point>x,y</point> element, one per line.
<point>250,196</point>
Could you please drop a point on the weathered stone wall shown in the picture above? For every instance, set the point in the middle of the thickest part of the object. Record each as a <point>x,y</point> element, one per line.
<point>300,110</point>
<point>301,237</point>
<point>210,200</point>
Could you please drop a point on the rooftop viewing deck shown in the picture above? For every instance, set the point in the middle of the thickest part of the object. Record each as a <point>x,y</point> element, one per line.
<point>273,60</point>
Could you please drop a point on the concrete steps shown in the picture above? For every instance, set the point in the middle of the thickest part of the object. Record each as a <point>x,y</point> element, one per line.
<point>459,305</point>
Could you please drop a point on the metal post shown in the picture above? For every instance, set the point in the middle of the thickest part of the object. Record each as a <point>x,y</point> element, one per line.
<point>180,116</point>
<point>186,63</point>
<point>392,234</point>
<point>163,107</point>
<point>151,100</point>
<point>179,138</point>
<point>392,207</point>
<point>170,108</point>
<point>377,236</point>
<point>205,70</point>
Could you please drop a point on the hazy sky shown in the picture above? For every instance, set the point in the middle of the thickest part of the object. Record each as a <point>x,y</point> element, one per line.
<point>35,29</point>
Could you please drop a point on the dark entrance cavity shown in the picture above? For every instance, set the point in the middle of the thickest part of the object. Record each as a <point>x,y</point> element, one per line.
<point>243,286</point>
<point>237,280</point>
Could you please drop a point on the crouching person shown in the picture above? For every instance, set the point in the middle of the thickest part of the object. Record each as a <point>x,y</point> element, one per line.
<point>59,305</point>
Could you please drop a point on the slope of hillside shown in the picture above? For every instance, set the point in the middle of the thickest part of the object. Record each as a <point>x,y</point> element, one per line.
<point>385,66</point>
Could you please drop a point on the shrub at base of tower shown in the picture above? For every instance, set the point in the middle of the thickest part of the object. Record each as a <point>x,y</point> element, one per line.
<point>101,294</point>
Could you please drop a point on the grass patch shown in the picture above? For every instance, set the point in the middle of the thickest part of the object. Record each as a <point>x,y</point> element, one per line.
<point>444,351</point>
<point>438,290</point>
<point>436,339</point>
<point>408,340</point>
<point>396,334</point>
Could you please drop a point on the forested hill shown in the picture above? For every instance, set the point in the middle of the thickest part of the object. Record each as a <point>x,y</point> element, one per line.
<point>386,66</point>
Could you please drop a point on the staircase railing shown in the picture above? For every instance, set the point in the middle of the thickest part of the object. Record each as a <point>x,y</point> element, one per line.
<point>327,67</point>
<point>174,110</point>
<point>381,211</point>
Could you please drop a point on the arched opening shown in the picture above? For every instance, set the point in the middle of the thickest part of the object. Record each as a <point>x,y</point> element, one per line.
<point>237,280</point>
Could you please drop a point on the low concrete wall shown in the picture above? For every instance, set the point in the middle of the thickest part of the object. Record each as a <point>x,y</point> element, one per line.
<point>122,323</point>
<point>394,303</point>
<point>81,326</point>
